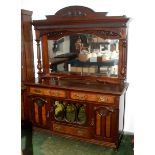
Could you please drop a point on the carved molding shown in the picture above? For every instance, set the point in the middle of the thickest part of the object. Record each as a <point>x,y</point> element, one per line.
<point>107,34</point>
<point>74,11</point>
<point>102,33</point>
<point>56,35</point>
<point>77,11</point>
<point>123,71</point>
<point>104,110</point>
<point>124,43</point>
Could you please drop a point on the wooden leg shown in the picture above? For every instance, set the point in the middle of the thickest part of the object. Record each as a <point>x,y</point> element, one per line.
<point>132,141</point>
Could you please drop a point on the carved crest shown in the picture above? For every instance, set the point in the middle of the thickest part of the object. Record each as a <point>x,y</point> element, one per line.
<point>76,11</point>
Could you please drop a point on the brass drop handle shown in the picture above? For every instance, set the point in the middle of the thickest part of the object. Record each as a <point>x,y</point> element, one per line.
<point>92,122</point>
<point>48,114</point>
<point>51,110</point>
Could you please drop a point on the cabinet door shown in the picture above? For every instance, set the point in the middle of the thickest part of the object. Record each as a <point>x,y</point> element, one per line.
<point>70,118</point>
<point>69,112</point>
<point>106,123</point>
<point>39,111</point>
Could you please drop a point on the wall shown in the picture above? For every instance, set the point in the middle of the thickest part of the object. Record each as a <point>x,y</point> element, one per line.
<point>138,46</point>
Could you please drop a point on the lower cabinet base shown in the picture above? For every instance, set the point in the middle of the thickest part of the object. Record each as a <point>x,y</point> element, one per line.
<point>92,117</point>
<point>112,145</point>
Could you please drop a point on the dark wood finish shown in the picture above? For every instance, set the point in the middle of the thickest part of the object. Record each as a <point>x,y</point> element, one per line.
<point>22,104</point>
<point>40,114</point>
<point>84,20</point>
<point>27,57</point>
<point>104,121</point>
<point>103,98</point>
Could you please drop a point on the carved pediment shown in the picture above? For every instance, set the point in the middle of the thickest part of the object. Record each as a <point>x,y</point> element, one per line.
<point>75,11</point>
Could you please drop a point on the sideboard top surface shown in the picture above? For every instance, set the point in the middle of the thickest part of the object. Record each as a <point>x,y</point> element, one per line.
<point>80,85</point>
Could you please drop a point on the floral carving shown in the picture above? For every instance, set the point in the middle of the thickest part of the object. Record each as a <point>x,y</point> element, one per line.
<point>74,13</point>
<point>124,43</point>
<point>105,33</point>
<point>58,33</point>
<point>123,71</point>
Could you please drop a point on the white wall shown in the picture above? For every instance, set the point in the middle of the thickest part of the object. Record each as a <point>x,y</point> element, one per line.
<point>140,44</point>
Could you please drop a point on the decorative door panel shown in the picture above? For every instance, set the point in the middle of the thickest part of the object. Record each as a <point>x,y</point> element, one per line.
<point>39,111</point>
<point>69,112</point>
<point>106,125</point>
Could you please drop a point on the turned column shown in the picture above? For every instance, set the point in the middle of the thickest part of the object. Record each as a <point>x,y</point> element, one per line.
<point>45,58</point>
<point>39,64</point>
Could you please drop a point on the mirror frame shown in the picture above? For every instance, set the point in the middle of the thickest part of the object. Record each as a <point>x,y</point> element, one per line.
<point>79,19</point>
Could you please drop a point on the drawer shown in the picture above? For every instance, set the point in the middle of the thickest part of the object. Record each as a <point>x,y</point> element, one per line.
<point>48,92</point>
<point>75,131</point>
<point>92,97</point>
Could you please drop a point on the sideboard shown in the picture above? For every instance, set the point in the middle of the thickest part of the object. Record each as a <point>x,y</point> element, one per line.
<point>82,68</point>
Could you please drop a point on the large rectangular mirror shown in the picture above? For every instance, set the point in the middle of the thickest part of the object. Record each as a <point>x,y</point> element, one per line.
<point>84,54</point>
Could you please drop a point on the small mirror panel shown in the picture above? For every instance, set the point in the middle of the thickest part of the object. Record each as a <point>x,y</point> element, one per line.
<point>70,113</point>
<point>59,111</point>
<point>81,115</point>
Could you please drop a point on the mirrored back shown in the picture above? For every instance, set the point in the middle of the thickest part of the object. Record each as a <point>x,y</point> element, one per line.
<point>84,54</point>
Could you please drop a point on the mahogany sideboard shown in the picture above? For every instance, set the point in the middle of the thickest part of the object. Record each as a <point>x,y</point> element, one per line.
<point>82,95</point>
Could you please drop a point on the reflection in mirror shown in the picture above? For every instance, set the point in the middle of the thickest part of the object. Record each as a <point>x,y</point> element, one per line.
<point>84,54</point>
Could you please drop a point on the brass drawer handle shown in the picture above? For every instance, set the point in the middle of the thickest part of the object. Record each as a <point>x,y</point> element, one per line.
<point>80,97</point>
<point>56,93</point>
<point>103,99</point>
<point>37,90</point>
